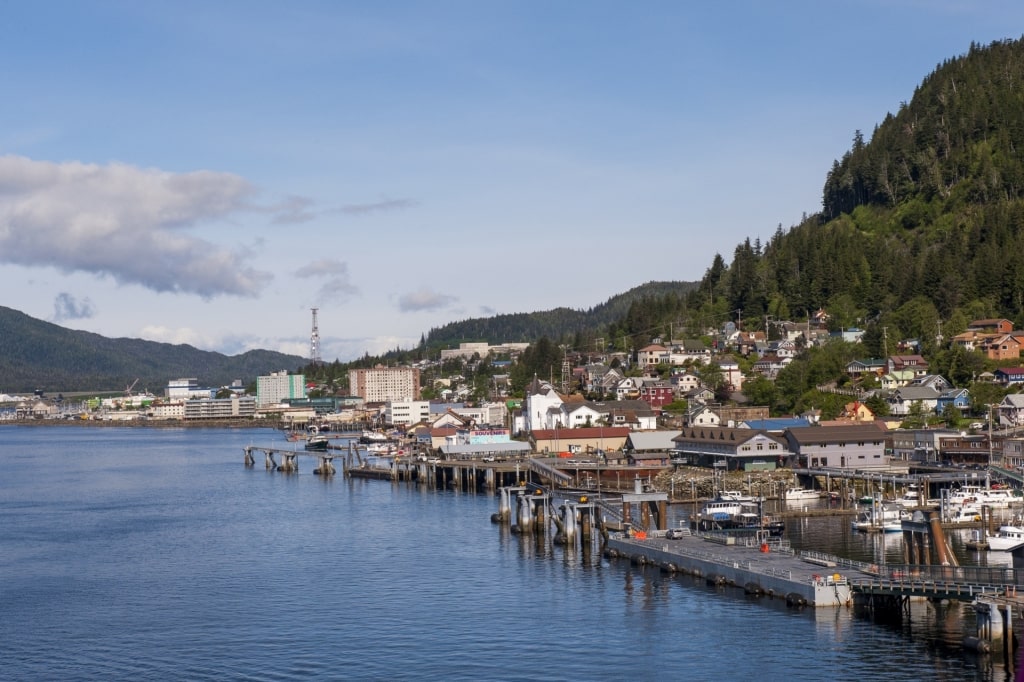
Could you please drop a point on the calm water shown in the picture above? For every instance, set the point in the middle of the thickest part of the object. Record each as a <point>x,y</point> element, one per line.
<point>155,554</point>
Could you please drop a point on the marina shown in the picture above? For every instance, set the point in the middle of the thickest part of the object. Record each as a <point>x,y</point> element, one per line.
<point>209,560</point>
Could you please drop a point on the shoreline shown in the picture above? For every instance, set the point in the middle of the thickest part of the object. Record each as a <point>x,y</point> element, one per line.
<point>144,424</point>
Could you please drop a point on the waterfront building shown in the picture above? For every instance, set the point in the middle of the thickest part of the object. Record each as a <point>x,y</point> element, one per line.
<point>278,387</point>
<point>172,409</point>
<point>735,449</point>
<point>406,412</point>
<point>582,441</point>
<point>856,446</point>
<point>382,384</point>
<point>187,389</point>
<point>221,408</point>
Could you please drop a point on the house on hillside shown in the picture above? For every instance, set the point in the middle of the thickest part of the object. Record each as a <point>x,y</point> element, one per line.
<point>959,398</point>
<point>916,365</point>
<point>1009,376</point>
<point>856,369</point>
<point>657,393</point>
<point>652,355</point>
<point>857,412</point>
<point>690,350</point>
<point>970,339</point>
<point>902,398</point>
<point>1002,347</point>
<point>1011,410</point>
<point>992,326</point>
<point>702,415</point>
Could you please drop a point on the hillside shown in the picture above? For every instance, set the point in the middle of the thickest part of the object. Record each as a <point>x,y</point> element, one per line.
<point>921,227</point>
<point>558,323</point>
<point>41,355</point>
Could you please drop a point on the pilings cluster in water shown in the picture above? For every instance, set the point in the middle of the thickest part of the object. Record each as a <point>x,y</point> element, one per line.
<point>290,460</point>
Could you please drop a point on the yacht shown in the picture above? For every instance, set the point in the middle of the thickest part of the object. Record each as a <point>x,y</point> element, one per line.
<point>792,494</point>
<point>996,498</point>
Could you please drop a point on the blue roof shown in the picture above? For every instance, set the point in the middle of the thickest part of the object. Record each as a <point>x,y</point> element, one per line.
<point>777,423</point>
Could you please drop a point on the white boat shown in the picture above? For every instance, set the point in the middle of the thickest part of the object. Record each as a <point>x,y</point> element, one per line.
<point>1006,539</point>
<point>996,498</point>
<point>967,512</point>
<point>720,510</point>
<point>911,497</point>
<point>801,494</point>
<point>737,496</point>
<point>885,517</point>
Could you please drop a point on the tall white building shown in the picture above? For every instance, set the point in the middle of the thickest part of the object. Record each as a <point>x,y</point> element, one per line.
<point>273,389</point>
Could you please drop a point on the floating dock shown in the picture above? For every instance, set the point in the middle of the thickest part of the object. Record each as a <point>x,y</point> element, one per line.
<point>758,565</point>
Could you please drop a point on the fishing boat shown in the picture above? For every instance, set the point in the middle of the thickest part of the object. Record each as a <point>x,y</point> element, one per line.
<point>1006,539</point>
<point>316,441</point>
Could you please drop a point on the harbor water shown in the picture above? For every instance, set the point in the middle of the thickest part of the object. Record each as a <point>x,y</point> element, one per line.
<point>150,553</point>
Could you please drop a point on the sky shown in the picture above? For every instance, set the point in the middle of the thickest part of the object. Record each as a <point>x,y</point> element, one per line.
<point>209,172</point>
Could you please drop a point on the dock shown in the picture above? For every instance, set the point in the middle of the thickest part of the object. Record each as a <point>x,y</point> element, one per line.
<point>763,565</point>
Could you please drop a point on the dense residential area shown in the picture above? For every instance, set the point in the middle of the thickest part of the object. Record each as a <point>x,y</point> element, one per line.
<point>697,401</point>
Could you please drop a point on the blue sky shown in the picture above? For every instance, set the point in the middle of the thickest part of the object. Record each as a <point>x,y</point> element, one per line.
<point>207,172</point>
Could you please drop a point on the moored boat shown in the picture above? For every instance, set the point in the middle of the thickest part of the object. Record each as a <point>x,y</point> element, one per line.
<point>885,517</point>
<point>1006,539</point>
<point>792,494</point>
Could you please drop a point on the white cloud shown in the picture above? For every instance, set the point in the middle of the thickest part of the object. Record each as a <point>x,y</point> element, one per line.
<point>424,299</point>
<point>125,222</point>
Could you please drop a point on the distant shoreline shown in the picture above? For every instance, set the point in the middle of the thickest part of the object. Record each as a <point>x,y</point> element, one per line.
<point>144,424</point>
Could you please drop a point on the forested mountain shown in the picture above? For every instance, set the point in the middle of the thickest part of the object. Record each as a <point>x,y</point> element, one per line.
<point>921,227</point>
<point>921,230</point>
<point>580,328</point>
<point>45,356</point>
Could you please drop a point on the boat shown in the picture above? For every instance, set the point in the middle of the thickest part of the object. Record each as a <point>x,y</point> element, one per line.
<point>792,494</point>
<point>885,517</point>
<point>967,512</point>
<point>731,516</point>
<point>737,496</point>
<point>316,441</point>
<point>368,437</point>
<point>996,498</point>
<point>1006,539</point>
<point>911,497</point>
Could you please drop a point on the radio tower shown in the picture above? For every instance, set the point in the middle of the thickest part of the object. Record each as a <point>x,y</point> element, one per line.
<point>314,341</point>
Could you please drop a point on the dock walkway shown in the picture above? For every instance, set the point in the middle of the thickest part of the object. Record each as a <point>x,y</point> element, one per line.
<point>770,568</point>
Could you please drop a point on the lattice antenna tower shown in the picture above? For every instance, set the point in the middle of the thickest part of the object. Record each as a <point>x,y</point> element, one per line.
<point>314,341</point>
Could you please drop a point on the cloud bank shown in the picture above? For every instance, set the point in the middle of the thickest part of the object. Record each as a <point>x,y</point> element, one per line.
<point>129,223</point>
